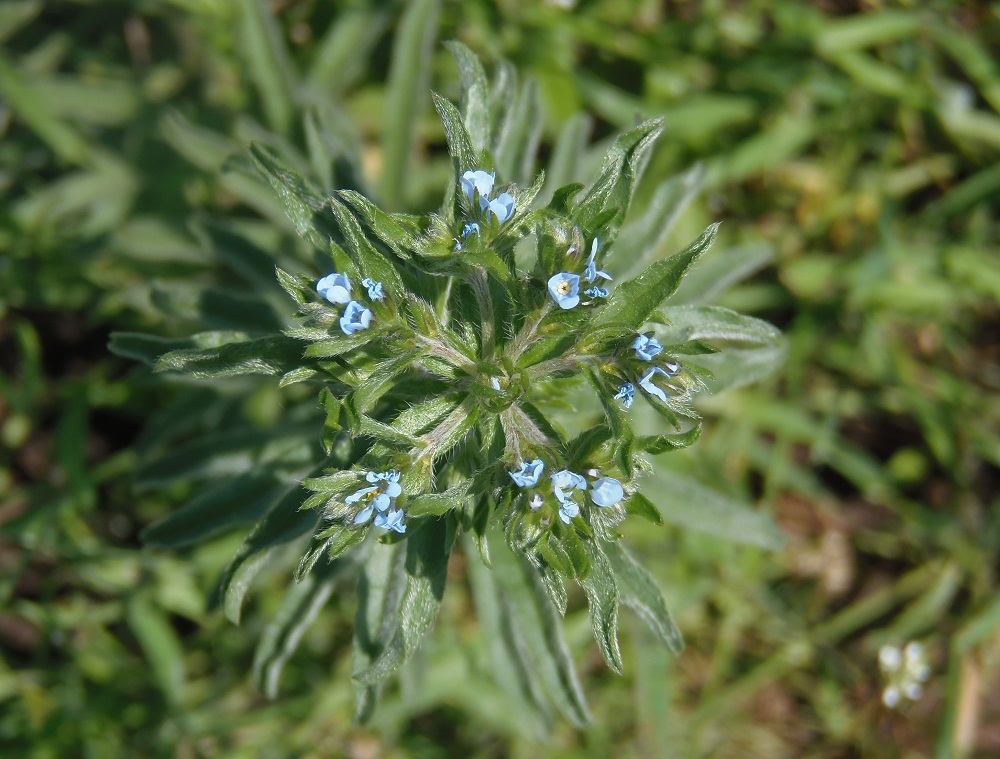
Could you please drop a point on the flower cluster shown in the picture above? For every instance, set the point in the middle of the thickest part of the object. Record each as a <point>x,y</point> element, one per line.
<point>604,491</point>
<point>478,186</point>
<point>905,670</point>
<point>380,499</point>
<point>336,288</point>
<point>646,349</point>
<point>564,287</point>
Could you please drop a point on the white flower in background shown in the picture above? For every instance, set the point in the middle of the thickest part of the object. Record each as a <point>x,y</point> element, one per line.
<point>905,670</point>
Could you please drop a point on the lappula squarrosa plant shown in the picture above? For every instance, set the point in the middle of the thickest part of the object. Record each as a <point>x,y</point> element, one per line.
<point>436,356</point>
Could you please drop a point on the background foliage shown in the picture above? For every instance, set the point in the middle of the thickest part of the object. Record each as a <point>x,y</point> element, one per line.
<point>852,152</point>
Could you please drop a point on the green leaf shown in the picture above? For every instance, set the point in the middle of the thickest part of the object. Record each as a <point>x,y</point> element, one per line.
<point>602,595</point>
<point>538,625</point>
<point>384,225</point>
<point>234,502</point>
<point>381,379</point>
<point>427,551</point>
<point>303,206</point>
<point>409,77</point>
<point>639,505</point>
<point>475,94</point>
<point>283,523</point>
<point>145,348</point>
<point>370,262</point>
<point>337,343</point>
<point>691,505</point>
<point>715,324</point>
<point>436,504</point>
<point>632,302</point>
<point>518,135</point>
<point>267,62</point>
<point>612,192</point>
<point>464,157</point>
<point>297,612</point>
<point>657,444</point>
<point>160,644</point>
<point>266,355</point>
<point>380,591</point>
<point>640,591</point>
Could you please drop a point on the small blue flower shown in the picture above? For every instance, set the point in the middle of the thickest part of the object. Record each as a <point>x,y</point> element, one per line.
<point>380,496</point>
<point>495,383</point>
<point>565,289</point>
<point>392,520</point>
<point>646,383</point>
<point>478,181</point>
<point>503,206</point>
<point>528,475</point>
<point>335,287</point>
<point>391,479</point>
<point>626,394</point>
<point>374,288</point>
<point>596,292</point>
<point>646,347</point>
<point>566,480</point>
<point>606,491</point>
<point>469,229</point>
<point>355,317</point>
<point>567,510</point>
<point>671,367</point>
<point>591,273</point>
<point>536,502</point>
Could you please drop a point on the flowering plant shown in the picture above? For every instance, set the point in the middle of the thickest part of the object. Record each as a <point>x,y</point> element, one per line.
<point>439,345</point>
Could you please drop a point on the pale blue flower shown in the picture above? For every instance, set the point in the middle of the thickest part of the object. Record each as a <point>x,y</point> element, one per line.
<point>391,520</point>
<point>380,496</point>
<point>374,288</point>
<point>646,383</point>
<point>495,383</point>
<point>646,347</point>
<point>626,394</point>
<point>567,510</point>
<point>565,289</point>
<point>335,287</point>
<point>591,272</point>
<point>478,181</point>
<point>565,480</point>
<point>596,292</point>
<point>469,229</point>
<point>606,491</point>
<point>528,475</point>
<point>536,502</point>
<point>502,207</point>
<point>671,367</point>
<point>391,479</point>
<point>355,317</point>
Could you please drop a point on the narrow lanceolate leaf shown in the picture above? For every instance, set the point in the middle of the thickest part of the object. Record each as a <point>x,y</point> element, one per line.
<point>602,596</point>
<point>634,301</point>
<point>303,206</point>
<point>716,324</point>
<point>145,348</point>
<point>690,504</point>
<point>539,626</point>
<point>639,591</point>
<point>265,355</point>
<point>370,262</point>
<point>216,509</point>
<point>427,551</point>
<point>463,155</point>
<point>612,192</point>
<point>475,94</point>
<point>381,379</point>
<point>436,504</point>
<point>283,523</point>
<point>282,636</point>
<point>388,229</point>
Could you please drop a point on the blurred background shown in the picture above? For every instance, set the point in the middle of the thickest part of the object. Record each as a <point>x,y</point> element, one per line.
<point>852,150</point>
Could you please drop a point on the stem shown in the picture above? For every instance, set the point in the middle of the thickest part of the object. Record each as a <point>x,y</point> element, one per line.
<point>444,351</point>
<point>510,433</point>
<point>481,286</point>
<point>528,333</point>
<point>530,430</point>
<point>445,311</point>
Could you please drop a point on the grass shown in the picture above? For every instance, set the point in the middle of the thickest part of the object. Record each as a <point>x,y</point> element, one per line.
<point>856,147</point>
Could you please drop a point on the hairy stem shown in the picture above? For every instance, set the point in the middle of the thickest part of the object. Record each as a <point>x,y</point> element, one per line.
<point>528,332</point>
<point>487,317</point>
